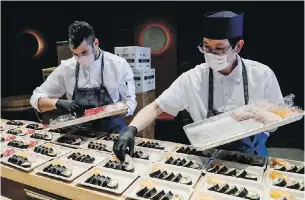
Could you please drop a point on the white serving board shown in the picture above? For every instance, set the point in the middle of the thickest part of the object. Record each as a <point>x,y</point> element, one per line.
<point>108,143</point>
<point>40,159</point>
<point>154,154</point>
<point>251,170</point>
<point>175,188</point>
<point>77,169</point>
<point>176,147</point>
<point>223,129</point>
<point>295,194</point>
<point>61,150</point>
<point>250,186</point>
<point>125,179</point>
<point>203,161</point>
<point>39,142</point>
<point>99,157</point>
<point>293,162</point>
<point>212,196</point>
<point>194,174</point>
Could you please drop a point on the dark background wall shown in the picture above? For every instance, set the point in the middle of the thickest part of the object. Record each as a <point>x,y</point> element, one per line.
<point>273,33</point>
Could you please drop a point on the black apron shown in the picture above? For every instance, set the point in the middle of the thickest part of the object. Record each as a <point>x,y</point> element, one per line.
<point>251,145</point>
<point>96,97</point>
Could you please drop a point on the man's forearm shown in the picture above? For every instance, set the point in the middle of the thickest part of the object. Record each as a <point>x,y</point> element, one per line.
<point>46,104</point>
<point>146,116</point>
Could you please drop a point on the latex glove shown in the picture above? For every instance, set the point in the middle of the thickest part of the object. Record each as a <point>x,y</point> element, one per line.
<point>71,107</point>
<point>125,140</point>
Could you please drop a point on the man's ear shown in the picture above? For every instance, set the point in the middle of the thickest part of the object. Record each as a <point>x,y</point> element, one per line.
<point>239,46</point>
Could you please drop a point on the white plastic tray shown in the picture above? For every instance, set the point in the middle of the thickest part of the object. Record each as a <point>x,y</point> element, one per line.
<point>54,136</point>
<point>119,108</point>
<point>212,196</point>
<point>194,174</point>
<point>291,176</point>
<point>203,161</point>
<point>154,154</point>
<point>140,165</point>
<point>125,179</point>
<point>39,142</point>
<point>61,150</point>
<point>293,162</point>
<point>77,169</point>
<point>108,143</point>
<point>250,186</point>
<point>251,170</point>
<point>221,153</point>
<point>99,157</point>
<point>175,188</point>
<point>84,140</point>
<point>40,159</point>
<point>176,147</point>
<point>296,195</point>
<point>223,129</point>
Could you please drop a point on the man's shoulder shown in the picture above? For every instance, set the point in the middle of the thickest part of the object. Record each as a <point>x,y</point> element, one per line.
<point>197,72</point>
<point>256,67</point>
<point>112,58</point>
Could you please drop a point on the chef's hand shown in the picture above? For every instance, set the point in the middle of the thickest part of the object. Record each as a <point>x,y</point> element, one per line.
<point>126,139</point>
<point>72,107</point>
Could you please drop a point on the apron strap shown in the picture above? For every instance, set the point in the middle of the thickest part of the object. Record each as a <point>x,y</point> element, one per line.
<point>245,82</point>
<point>211,91</point>
<point>102,67</point>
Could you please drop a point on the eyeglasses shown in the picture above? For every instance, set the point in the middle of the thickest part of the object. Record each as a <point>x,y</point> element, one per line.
<point>219,52</point>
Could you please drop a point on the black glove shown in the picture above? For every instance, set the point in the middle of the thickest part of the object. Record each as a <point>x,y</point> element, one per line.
<point>126,139</point>
<point>71,107</point>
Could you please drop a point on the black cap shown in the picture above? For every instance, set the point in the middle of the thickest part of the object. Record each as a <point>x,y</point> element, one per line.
<point>223,25</point>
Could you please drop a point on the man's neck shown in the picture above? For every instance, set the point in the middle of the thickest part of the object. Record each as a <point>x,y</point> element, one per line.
<point>230,68</point>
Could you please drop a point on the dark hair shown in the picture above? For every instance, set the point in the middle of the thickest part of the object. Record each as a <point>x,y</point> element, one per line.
<point>222,14</point>
<point>80,31</point>
<point>233,41</point>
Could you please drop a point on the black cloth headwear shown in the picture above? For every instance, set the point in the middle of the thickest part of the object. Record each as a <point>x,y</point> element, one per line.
<point>226,26</point>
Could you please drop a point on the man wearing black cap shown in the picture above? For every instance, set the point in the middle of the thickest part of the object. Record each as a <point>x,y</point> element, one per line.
<point>224,83</point>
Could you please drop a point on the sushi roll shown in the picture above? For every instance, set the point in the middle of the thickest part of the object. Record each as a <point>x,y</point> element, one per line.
<point>169,177</point>
<point>142,191</point>
<point>223,169</point>
<point>158,195</point>
<point>251,177</point>
<point>231,156</point>
<point>214,187</point>
<point>177,178</point>
<point>158,146</point>
<point>88,180</point>
<point>162,175</point>
<point>168,196</point>
<point>252,196</point>
<point>242,192</point>
<point>187,180</point>
<point>300,170</point>
<point>231,172</point>
<point>182,162</point>
<point>301,188</point>
<point>155,173</point>
<point>140,154</point>
<point>107,180</point>
<point>280,182</point>
<point>150,193</point>
<point>231,190</point>
<point>258,163</point>
<point>206,153</point>
<point>100,180</point>
<point>196,166</point>
<point>192,152</point>
<point>176,161</point>
<point>66,172</point>
<point>294,184</point>
<point>180,150</point>
<point>213,169</point>
<point>223,188</point>
<point>245,160</point>
<point>292,168</point>
<point>128,167</point>
<point>280,167</point>
<point>241,173</point>
<point>141,144</point>
<point>186,150</point>
<point>170,160</point>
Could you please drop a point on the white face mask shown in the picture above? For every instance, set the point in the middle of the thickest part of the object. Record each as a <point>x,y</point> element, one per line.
<point>216,62</point>
<point>85,61</point>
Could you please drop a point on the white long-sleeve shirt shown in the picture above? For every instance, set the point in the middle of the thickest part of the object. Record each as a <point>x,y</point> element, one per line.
<point>117,76</point>
<point>190,90</point>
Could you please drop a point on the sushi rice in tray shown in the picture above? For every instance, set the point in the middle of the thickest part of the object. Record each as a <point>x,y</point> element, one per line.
<point>290,181</point>
<point>26,160</point>
<point>236,170</point>
<point>233,187</point>
<point>107,179</point>
<point>64,169</point>
<point>173,174</point>
<point>146,188</point>
<point>184,160</point>
<point>285,165</point>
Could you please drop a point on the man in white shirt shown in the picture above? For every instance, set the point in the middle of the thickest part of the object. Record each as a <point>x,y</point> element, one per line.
<point>91,78</point>
<point>224,83</point>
